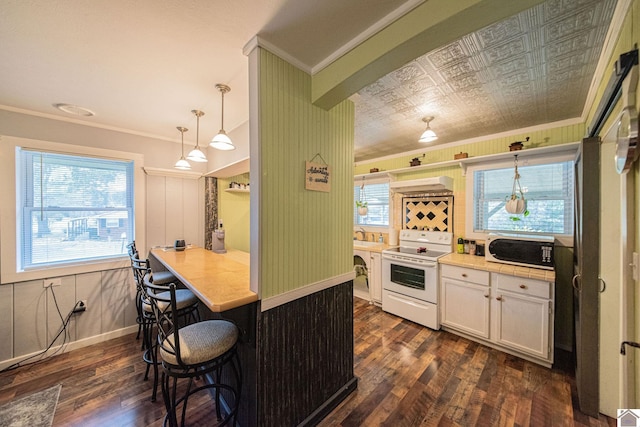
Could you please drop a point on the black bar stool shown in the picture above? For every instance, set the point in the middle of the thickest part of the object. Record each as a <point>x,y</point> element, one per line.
<point>185,312</point>
<point>191,351</point>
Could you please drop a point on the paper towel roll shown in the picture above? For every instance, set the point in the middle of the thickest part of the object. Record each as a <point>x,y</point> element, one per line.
<point>393,237</point>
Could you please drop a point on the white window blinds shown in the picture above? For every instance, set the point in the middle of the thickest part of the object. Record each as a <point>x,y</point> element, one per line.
<point>72,208</point>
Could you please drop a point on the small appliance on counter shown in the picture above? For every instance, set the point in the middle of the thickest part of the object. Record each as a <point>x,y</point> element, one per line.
<point>520,249</point>
<point>217,240</point>
<point>179,245</point>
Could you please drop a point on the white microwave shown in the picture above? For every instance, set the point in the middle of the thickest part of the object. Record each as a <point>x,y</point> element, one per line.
<point>520,249</point>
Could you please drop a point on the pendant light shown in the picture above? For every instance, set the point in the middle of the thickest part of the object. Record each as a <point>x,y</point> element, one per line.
<point>428,135</point>
<point>221,141</point>
<point>182,163</point>
<point>196,154</point>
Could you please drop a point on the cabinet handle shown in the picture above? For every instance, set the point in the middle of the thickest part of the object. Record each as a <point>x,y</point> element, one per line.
<point>464,275</point>
<point>499,298</point>
<point>523,286</point>
<point>486,296</point>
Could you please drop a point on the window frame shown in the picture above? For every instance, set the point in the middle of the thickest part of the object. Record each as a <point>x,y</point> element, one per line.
<point>370,227</point>
<point>565,239</point>
<point>9,210</point>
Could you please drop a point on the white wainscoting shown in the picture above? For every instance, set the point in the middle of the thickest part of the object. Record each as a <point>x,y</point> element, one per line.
<point>31,319</point>
<point>175,210</point>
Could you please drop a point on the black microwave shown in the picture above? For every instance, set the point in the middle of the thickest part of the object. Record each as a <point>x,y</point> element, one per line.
<point>517,249</point>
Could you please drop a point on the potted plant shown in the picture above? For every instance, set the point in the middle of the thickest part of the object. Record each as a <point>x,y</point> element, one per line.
<point>516,203</point>
<point>362,208</point>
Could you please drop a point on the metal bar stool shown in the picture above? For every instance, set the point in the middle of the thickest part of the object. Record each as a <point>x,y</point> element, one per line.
<point>191,351</point>
<point>185,312</point>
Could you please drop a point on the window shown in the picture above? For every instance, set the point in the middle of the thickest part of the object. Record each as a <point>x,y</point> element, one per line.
<point>376,195</point>
<point>548,187</point>
<point>72,208</point>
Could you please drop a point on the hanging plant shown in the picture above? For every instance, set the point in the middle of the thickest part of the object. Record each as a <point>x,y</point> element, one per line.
<point>516,203</point>
<point>363,210</point>
<point>361,204</point>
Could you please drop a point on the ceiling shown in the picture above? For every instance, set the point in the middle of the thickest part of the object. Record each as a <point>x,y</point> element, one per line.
<point>143,65</point>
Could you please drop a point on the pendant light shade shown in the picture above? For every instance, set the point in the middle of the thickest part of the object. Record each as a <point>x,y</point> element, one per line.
<point>221,141</point>
<point>428,135</point>
<point>182,163</point>
<point>196,154</point>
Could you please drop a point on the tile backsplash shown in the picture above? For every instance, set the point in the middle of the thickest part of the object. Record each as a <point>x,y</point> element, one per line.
<point>433,213</point>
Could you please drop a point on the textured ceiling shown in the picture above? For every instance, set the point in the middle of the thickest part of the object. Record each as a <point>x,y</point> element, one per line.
<point>532,68</point>
<point>143,65</point>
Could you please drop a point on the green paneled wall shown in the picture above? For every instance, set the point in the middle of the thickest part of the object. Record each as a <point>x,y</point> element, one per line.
<point>539,138</point>
<point>304,235</point>
<point>233,210</point>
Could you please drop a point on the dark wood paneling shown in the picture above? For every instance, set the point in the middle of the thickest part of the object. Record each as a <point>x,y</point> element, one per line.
<point>305,356</point>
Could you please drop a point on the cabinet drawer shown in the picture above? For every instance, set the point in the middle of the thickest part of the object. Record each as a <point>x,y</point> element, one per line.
<point>524,286</point>
<point>466,274</point>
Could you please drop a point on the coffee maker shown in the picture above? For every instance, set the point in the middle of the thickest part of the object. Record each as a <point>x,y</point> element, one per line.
<point>217,240</point>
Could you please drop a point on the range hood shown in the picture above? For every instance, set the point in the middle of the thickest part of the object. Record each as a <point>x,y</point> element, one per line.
<point>422,185</point>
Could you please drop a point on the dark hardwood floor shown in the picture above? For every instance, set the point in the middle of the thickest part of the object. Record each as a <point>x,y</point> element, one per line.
<point>407,375</point>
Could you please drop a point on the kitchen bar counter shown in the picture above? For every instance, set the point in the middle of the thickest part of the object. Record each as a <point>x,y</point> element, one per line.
<point>479,263</point>
<point>220,281</point>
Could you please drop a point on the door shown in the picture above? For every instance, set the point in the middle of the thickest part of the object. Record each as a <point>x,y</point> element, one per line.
<point>375,277</point>
<point>523,323</point>
<point>465,306</point>
<point>586,274</point>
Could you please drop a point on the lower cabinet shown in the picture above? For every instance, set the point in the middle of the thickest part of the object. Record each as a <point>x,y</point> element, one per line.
<point>464,302</point>
<point>375,277</point>
<point>510,313</point>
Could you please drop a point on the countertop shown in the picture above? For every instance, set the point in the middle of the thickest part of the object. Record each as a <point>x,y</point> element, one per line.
<point>371,247</point>
<point>479,263</point>
<point>220,281</point>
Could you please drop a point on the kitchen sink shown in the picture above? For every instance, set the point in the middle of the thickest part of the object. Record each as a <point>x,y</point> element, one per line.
<point>363,243</point>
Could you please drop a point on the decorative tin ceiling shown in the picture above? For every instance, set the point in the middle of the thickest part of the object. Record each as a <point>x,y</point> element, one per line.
<point>532,68</point>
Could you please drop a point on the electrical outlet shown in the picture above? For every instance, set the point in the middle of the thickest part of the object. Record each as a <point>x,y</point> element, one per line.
<point>80,306</point>
<point>56,281</point>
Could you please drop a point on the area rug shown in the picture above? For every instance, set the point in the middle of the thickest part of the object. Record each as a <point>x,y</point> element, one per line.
<point>34,410</point>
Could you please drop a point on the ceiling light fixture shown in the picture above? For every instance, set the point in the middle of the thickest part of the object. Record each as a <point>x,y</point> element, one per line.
<point>428,135</point>
<point>196,155</point>
<point>182,163</point>
<point>221,141</point>
<point>74,110</point>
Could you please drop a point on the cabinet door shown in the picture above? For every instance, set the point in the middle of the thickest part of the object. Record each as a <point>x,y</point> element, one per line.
<point>522,323</point>
<point>375,277</point>
<point>465,306</point>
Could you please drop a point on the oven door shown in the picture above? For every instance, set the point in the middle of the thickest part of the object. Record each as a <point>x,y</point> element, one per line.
<point>417,279</point>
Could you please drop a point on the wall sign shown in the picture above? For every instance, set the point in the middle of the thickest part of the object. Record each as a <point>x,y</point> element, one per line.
<point>317,176</point>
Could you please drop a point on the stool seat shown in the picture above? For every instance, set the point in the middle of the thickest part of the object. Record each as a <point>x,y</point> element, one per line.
<point>163,277</point>
<point>201,342</point>
<point>184,299</point>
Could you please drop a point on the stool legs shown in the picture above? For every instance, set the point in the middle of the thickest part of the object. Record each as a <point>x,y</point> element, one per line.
<point>172,402</point>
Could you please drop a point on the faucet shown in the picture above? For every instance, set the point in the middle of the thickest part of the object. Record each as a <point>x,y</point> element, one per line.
<point>364,233</point>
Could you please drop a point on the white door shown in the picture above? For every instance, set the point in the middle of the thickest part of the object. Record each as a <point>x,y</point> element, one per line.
<point>465,306</point>
<point>522,323</point>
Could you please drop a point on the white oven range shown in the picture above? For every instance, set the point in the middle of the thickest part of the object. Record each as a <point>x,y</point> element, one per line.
<point>410,276</point>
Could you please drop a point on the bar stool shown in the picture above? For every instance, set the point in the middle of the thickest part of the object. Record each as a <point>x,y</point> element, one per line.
<point>193,351</point>
<point>185,312</point>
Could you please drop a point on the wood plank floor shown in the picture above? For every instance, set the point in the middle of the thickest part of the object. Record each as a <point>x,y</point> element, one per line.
<point>407,375</point>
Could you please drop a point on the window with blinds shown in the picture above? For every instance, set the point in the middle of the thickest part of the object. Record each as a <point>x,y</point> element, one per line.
<point>377,198</point>
<point>548,189</point>
<point>72,208</point>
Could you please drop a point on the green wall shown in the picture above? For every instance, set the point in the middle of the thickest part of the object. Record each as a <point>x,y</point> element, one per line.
<point>304,236</point>
<point>233,210</point>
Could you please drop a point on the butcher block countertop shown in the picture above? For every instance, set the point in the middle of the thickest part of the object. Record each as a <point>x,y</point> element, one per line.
<point>220,281</point>
<point>479,263</point>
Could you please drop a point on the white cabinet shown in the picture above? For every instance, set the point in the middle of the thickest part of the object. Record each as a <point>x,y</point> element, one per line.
<point>523,309</point>
<point>465,300</point>
<point>510,313</point>
<point>375,277</point>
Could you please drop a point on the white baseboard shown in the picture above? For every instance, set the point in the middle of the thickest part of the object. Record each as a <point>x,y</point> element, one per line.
<point>71,346</point>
